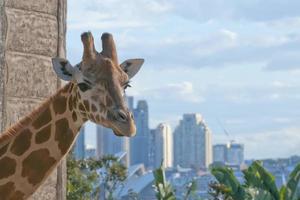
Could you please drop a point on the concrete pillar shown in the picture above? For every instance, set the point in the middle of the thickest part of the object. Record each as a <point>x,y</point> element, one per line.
<point>31,33</point>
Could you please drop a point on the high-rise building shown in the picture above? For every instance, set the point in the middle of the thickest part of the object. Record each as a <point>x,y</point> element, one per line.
<point>235,153</point>
<point>230,154</point>
<point>109,144</point>
<point>163,146</point>
<point>139,145</point>
<point>130,102</point>
<point>220,153</point>
<point>192,142</point>
<point>79,147</point>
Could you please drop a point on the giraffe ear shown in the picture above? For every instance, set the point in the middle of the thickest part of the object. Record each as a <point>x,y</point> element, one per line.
<point>63,69</point>
<point>132,66</point>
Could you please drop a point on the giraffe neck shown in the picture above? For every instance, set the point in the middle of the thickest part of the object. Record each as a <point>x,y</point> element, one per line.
<point>31,149</point>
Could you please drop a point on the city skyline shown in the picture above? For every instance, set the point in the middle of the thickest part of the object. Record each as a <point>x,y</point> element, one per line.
<point>237,63</point>
<point>189,146</point>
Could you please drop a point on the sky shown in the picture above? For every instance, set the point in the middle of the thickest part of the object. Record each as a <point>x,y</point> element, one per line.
<point>237,63</point>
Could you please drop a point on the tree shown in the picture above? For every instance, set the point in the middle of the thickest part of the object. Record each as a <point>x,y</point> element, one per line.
<point>259,185</point>
<point>85,177</point>
<point>81,180</point>
<point>112,174</point>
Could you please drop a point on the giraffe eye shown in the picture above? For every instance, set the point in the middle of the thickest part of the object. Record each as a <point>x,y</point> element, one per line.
<point>84,87</point>
<point>126,85</point>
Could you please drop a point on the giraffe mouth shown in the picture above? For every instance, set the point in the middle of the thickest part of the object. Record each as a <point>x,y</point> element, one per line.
<point>120,133</point>
<point>117,133</point>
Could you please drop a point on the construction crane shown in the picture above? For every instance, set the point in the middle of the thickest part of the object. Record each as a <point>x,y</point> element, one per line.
<point>225,131</point>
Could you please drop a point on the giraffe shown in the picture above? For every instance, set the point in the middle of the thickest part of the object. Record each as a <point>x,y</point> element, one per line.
<point>33,147</point>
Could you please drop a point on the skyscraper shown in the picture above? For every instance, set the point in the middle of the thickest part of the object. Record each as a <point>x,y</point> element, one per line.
<point>192,142</point>
<point>109,144</point>
<point>152,147</point>
<point>79,147</point>
<point>230,154</point>
<point>235,153</point>
<point>220,153</point>
<point>139,145</point>
<point>163,143</point>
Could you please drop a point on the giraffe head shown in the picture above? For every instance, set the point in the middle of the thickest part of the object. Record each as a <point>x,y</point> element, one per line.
<point>100,83</point>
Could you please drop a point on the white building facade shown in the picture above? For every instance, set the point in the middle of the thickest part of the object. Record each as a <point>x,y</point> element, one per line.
<point>163,150</point>
<point>192,142</point>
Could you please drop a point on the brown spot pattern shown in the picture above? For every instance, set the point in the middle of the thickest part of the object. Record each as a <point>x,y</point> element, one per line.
<point>43,119</point>
<point>60,104</point>
<point>83,114</point>
<point>74,101</point>
<point>108,101</point>
<point>94,98</point>
<point>98,118</point>
<point>81,107</point>
<point>63,135</point>
<point>87,105</point>
<point>94,108</point>
<point>70,103</point>
<point>74,116</point>
<point>43,135</point>
<point>66,88</point>
<point>3,149</point>
<point>36,165</point>
<point>8,192</point>
<point>71,87</point>
<point>7,167</point>
<point>21,142</point>
<point>101,107</point>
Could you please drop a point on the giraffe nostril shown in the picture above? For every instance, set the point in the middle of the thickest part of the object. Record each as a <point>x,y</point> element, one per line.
<point>122,116</point>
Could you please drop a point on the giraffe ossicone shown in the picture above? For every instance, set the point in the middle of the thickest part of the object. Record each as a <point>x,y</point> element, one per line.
<point>32,148</point>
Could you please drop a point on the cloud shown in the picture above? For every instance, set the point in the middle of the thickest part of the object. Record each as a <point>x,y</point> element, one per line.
<point>289,62</point>
<point>292,23</point>
<point>114,14</point>
<point>282,143</point>
<point>196,33</point>
<point>173,92</point>
<point>233,10</point>
<point>222,40</point>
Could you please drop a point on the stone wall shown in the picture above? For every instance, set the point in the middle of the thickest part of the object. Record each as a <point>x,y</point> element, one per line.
<point>31,33</point>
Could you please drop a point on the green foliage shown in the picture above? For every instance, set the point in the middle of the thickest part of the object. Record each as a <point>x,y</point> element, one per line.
<point>112,174</point>
<point>191,189</point>
<point>259,185</point>
<point>256,176</point>
<point>290,191</point>
<point>164,190</point>
<point>231,185</point>
<point>83,181</point>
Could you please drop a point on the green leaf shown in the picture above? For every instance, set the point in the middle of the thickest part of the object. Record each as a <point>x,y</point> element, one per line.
<point>226,177</point>
<point>293,182</point>
<point>264,180</point>
<point>259,194</point>
<point>164,191</point>
<point>282,193</point>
